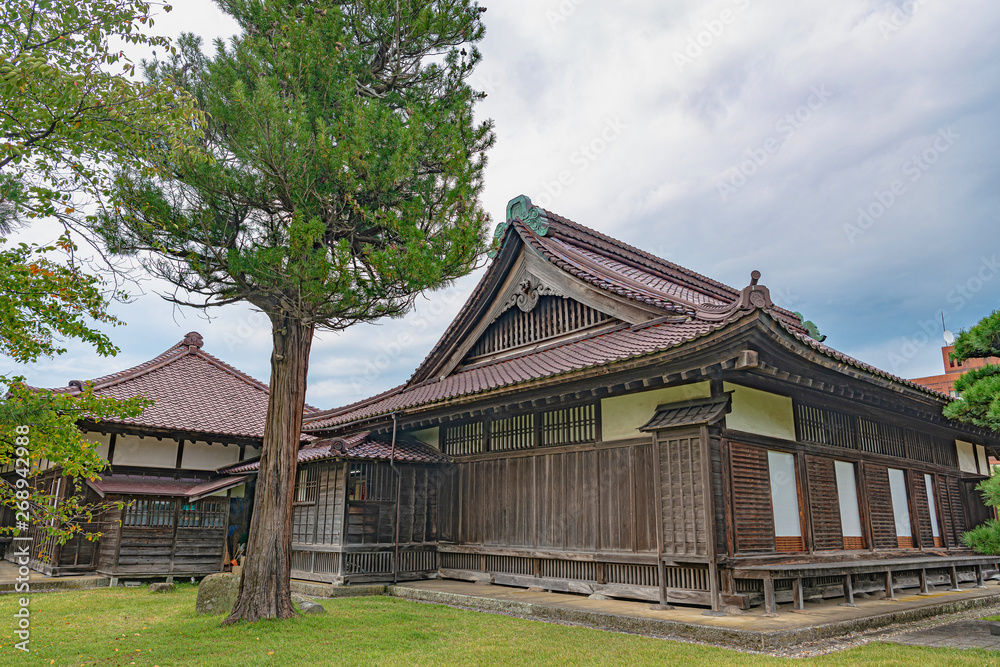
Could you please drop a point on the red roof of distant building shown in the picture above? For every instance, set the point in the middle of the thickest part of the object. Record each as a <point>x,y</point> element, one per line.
<point>192,391</point>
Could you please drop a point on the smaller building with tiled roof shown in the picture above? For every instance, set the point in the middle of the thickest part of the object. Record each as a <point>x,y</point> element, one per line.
<point>163,466</point>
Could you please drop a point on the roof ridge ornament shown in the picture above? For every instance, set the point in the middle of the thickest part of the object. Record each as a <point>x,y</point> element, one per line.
<point>193,339</point>
<point>752,296</point>
<point>520,208</point>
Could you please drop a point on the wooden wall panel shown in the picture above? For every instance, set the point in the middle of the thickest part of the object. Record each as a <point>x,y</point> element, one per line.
<point>645,498</point>
<point>616,516</point>
<point>588,500</point>
<point>876,480</point>
<point>824,503</point>
<point>753,519</point>
<point>683,495</point>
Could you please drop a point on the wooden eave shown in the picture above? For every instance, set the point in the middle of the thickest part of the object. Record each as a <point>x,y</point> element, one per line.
<point>160,433</point>
<point>754,350</point>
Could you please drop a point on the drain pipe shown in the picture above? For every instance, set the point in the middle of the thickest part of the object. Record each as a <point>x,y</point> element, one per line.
<point>399,490</point>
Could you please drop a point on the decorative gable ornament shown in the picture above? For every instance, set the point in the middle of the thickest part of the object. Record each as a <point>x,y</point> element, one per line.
<point>526,296</point>
<point>520,208</point>
<point>753,296</point>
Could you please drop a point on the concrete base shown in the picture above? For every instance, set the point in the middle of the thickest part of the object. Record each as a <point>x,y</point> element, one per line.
<point>38,582</point>
<point>751,630</point>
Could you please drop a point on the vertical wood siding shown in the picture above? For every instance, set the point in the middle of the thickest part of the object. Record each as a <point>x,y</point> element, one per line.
<point>597,500</point>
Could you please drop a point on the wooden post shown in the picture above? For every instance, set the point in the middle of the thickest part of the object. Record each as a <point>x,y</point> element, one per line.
<point>661,568</point>
<point>848,592</point>
<point>979,577</point>
<point>770,607</point>
<point>954,581</point>
<point>798,597</point>
<point>925,588</point>
<point>713,551</point>
<point>890,594</point>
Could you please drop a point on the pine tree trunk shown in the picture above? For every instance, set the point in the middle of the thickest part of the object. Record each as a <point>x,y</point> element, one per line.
<point>265,587</point>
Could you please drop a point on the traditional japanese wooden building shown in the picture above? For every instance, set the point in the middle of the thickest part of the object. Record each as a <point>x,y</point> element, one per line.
<point>597,419</point>
<point>178,512</point>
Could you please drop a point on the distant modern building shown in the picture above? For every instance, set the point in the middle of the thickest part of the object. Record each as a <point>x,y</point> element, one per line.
<point>952,369</point>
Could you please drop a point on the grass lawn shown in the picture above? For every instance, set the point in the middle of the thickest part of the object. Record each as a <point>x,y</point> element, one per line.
<point>135,627</point>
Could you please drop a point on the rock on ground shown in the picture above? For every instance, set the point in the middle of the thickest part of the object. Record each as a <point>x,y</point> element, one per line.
<point>161,587</point>
<point>217,593</point>
<point>307,606</point>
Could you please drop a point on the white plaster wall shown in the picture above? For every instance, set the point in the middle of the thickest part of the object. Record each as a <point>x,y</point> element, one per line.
<point>966,455</point>
<point>621,416</point>
<point>429,436</point>
<point>101,440</point>
<point>760,412</point>
<point>200,455</point>
<point>148,452</point>
<point>251,453</point>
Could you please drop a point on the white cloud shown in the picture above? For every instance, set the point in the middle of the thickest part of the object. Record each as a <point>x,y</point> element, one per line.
<point>554,84</point>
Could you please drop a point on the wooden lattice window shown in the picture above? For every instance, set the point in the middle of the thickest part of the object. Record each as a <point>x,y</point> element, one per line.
<point>306,484</point>
<point>149,513</point>
<point>553,316</point>
<point>461,439</point>
<point>826,427</point>
<point>512,433</point>
<point>830,427</point>
<point>569,426</point>
<point>371,482</point>
<point>207,513</point>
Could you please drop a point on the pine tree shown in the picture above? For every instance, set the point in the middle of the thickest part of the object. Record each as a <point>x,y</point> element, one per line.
<point>979,388</point>
<point>340,178</point>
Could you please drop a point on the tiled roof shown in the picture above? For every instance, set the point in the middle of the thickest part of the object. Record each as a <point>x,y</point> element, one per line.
<point>357,446</point>
<point>193,391</point>
<point>688,413</point>
<point>608,265</point>
<point>618,344</point>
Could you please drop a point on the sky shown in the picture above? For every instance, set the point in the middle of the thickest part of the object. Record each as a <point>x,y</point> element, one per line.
<point>846,150</point>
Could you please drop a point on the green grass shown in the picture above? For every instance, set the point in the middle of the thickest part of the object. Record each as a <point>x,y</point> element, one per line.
<point>135,627</point>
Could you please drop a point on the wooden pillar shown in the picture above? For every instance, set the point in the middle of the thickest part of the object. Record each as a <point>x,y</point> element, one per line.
<point>713,551</point>
<point>798,597</point>
<point>954,580</point>
<point>925,588</point>
<point>979,577</point>
<point>770,606</point>
<point>663,604</point>
<point>890,593</point>
<point>661,568</point>
<point>848,592</point>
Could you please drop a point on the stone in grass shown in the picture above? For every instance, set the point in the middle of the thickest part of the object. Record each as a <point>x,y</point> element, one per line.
<point>217,593</point>
<point>307,606</point>
<point>161,587</point>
